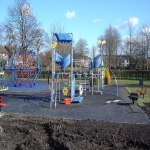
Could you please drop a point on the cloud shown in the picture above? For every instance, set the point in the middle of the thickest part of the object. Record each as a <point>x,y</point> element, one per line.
<point>132,21</point>
<point>96,20</point>
<point>125,37</point>
<point>78,33</point>
<point>70,15</point>
<point>116,27</point>
<point>118,20</point>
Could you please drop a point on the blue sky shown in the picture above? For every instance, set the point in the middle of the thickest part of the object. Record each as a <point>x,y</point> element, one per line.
<point>87,19</point>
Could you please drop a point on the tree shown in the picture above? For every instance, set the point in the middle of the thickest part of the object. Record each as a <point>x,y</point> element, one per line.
<point>81,48</point>
<point>112,38</point>
<point>93,49</point>
<point>41,41</point>
<point>45,58</point>
<point>23,23</point>
<point>9,40</point>
<point>1,34</point>
<point>145,44</point>
<point>130,44</point>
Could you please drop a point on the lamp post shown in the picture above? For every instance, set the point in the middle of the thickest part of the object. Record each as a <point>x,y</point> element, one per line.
<point>101,53</point>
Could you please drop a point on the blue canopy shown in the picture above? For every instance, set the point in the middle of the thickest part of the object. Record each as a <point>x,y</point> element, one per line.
<point>63,37</point>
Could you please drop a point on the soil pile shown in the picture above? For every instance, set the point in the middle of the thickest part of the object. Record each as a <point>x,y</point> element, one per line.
<point>22,132</point>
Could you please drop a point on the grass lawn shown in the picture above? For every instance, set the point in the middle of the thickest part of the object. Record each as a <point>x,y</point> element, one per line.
<point>133,86</point>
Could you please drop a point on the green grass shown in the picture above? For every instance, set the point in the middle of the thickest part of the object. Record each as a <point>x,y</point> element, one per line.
<point>133,86</point>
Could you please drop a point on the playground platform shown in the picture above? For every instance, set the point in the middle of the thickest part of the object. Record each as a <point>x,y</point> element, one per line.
<point>36,101</point>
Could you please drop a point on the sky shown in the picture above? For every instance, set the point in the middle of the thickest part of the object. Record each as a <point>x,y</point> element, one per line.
<point>87,19</point>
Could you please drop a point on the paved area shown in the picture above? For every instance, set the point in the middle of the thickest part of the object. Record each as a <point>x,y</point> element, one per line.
<point>36,101</point>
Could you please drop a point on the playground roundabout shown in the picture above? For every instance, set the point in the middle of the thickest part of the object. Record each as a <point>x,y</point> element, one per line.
<point>28,122</point>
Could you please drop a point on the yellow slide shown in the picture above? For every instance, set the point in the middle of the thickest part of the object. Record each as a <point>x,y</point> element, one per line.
<point>107,75</point>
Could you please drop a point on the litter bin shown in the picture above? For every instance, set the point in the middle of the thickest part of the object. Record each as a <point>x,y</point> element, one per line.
<point>94,82</point>
<point>105,81</point>
<point>140,81</point>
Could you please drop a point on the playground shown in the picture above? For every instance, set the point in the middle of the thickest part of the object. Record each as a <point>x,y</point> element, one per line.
<point>29,123</point>
<point>62,112</point>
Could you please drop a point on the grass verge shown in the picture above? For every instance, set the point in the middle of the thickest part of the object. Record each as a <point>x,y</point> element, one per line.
<point>133,86</point>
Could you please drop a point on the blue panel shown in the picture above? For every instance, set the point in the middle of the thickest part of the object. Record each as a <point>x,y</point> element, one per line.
<point>65,61</point>
<point>77,99</point>
<point>58,57</point>
<point>97,62</point>
<point>63,37</point>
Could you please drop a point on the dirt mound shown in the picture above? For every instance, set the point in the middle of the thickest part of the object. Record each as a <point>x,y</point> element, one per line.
<point>22,132</point>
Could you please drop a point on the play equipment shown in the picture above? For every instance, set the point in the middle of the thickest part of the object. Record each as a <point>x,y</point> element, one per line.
<point>95,77</point>
<point>67,101</point>
<point>63,38</point>
<point>80,89</point>
<point>24,65</point>
<point>113,101</point>
<point>97,74</point>
<point>65,91</point>
<point>107,76</point>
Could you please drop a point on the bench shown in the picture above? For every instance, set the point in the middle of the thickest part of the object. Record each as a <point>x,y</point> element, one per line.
<point>142,91</point>
<point>134,96</point>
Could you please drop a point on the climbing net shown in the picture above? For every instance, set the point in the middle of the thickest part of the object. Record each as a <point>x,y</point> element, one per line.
<point>24,65</point>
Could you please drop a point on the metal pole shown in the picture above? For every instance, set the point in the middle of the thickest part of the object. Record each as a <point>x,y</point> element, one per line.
<point>98,80</point>
<point>101,51</point>
<point>101,70</point>
<point>53,77</point>
<point>71,73</point>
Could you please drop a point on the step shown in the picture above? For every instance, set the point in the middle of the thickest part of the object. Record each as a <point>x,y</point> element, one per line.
<point>77,99</point>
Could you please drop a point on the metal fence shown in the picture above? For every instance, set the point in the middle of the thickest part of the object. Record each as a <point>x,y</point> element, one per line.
<point>120,74</point>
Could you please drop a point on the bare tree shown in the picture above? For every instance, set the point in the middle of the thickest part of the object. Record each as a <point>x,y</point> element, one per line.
<point>130,44</point>
<point>136,46</point>
<point>112,38</point>
<point>93,51</point>
<point>1,34</point>
<point>9,40</point>
<point>81,48</point>
<point>41,41</point>
<point>144,45</point>
<point>22,22</point>
<point>44,57</point>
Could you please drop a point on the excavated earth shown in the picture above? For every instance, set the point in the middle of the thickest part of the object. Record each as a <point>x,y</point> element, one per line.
<point>25,132</point>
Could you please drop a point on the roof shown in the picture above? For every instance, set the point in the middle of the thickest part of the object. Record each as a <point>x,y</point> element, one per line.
<point>3,50</point>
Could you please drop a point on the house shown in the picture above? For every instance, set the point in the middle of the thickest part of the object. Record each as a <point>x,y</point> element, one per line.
<point>120,60</point>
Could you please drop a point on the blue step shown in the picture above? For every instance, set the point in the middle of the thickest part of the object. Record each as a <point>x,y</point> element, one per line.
<point>77,99</point>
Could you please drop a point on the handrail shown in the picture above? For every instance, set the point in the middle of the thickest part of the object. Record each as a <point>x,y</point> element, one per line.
<point>115,80</point>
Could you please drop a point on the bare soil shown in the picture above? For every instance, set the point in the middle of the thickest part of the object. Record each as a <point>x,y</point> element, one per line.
<point>24,132</point>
